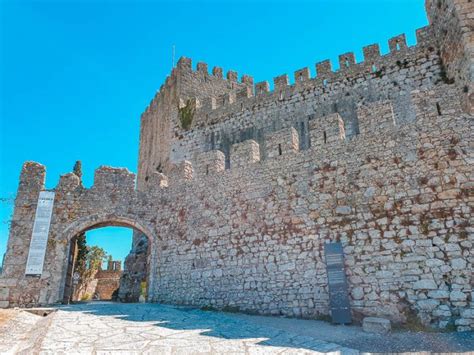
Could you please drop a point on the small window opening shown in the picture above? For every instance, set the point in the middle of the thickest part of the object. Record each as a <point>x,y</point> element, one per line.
<point>374,68</point>
<point>281,95</point>
<point>438,108</point>
<point>207,169</point>
<point>301,77</point>
<point>325,82</point>
<point>279,149</point>
<point>241,107</point>
<point>398,46</point>
<point>223,101</point>
<point>325,137</point>
<point>347,63</point>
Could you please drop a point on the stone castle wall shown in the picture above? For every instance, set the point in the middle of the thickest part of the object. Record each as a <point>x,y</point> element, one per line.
<point>218,125</point>
<point>238,206</point>
<point>251,237</point>
<point>108,282</point>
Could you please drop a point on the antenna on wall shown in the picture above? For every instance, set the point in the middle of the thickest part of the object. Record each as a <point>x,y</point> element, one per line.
<point>172,57</point>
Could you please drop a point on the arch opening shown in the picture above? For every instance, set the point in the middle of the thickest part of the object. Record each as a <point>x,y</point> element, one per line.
<point>96,275</point>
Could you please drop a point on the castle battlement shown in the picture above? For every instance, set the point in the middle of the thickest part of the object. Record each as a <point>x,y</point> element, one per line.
<point>282,153</point>
<point>326,134</point>
<point>373,66</point>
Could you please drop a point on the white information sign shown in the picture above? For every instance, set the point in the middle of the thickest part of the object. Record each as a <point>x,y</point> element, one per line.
<point>39,237</point>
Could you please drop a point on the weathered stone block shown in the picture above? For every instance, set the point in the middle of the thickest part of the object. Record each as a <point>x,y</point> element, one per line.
<point>457,296</point>
<point>376,325</point>
<point>425,285</point>
<point>4,293</point>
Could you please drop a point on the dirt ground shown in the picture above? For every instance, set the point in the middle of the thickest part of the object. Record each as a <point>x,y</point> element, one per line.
<point>6,314</point>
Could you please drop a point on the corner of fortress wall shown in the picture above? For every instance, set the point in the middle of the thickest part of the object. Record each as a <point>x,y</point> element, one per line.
<point>453,32</point>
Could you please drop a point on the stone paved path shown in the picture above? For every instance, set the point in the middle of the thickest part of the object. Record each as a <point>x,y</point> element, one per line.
<point>117,328</point>
<point>106,328</point>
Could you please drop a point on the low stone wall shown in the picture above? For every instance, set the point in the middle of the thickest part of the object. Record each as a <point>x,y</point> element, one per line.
<point>108,282</point>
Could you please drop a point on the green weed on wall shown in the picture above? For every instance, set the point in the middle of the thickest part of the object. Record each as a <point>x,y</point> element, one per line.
<point>186,115</point>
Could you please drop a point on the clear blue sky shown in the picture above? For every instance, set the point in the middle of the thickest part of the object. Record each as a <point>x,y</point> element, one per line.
<point>76,75</point>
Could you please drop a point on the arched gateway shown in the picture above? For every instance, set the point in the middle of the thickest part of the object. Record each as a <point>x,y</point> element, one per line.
<point>112,201</point>
<point>97,221</point>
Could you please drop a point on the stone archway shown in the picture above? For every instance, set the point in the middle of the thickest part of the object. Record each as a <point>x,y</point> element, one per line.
<point>106,220</point>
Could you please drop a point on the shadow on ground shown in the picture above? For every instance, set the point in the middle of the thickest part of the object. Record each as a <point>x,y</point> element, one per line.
<point>278,332</point>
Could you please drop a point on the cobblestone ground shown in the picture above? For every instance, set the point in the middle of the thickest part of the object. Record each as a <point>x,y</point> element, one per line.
<point>117,328</point>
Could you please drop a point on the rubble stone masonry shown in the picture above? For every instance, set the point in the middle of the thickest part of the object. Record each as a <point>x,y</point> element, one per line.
<point>238,205</point>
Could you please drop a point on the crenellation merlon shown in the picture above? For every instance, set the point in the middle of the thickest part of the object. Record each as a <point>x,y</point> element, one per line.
<point>324,68</point>
<point>262,88</point>
<point>68,182</point>
<point>346,61</point>
<point>397,43</point>
<point>181,171</point>
<point>217,72</point>
<point>210,162</point>
<point>244,154</point>
<point>226,99</point>
<point>282,143</point>
<point>302,75</point>
<point>209,103</point>
<point>185,64</point>
<point>232,76</point>
<point>118,179</point>
<point>281,82</point>
<point>244,93</point>
<point>371,53</point>
<point>32,177</point>
<point>247,80</point>
<point>326,130</point>
<point>202,68</point>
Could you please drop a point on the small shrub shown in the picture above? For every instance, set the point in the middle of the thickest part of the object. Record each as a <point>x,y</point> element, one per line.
<point>231,309</point>
<point>186,115</point>
<point>323,317</point>
<point>208,309</point>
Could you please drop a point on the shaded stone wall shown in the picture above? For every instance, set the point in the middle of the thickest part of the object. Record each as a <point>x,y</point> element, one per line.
<point>135,269</point>
<point>453,26</point>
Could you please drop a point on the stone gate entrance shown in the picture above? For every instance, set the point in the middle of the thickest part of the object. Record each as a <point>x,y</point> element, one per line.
<point>112,201</point>
<point>136,263</point>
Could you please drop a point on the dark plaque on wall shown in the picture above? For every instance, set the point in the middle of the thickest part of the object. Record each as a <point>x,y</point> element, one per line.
<point>337,283</point>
